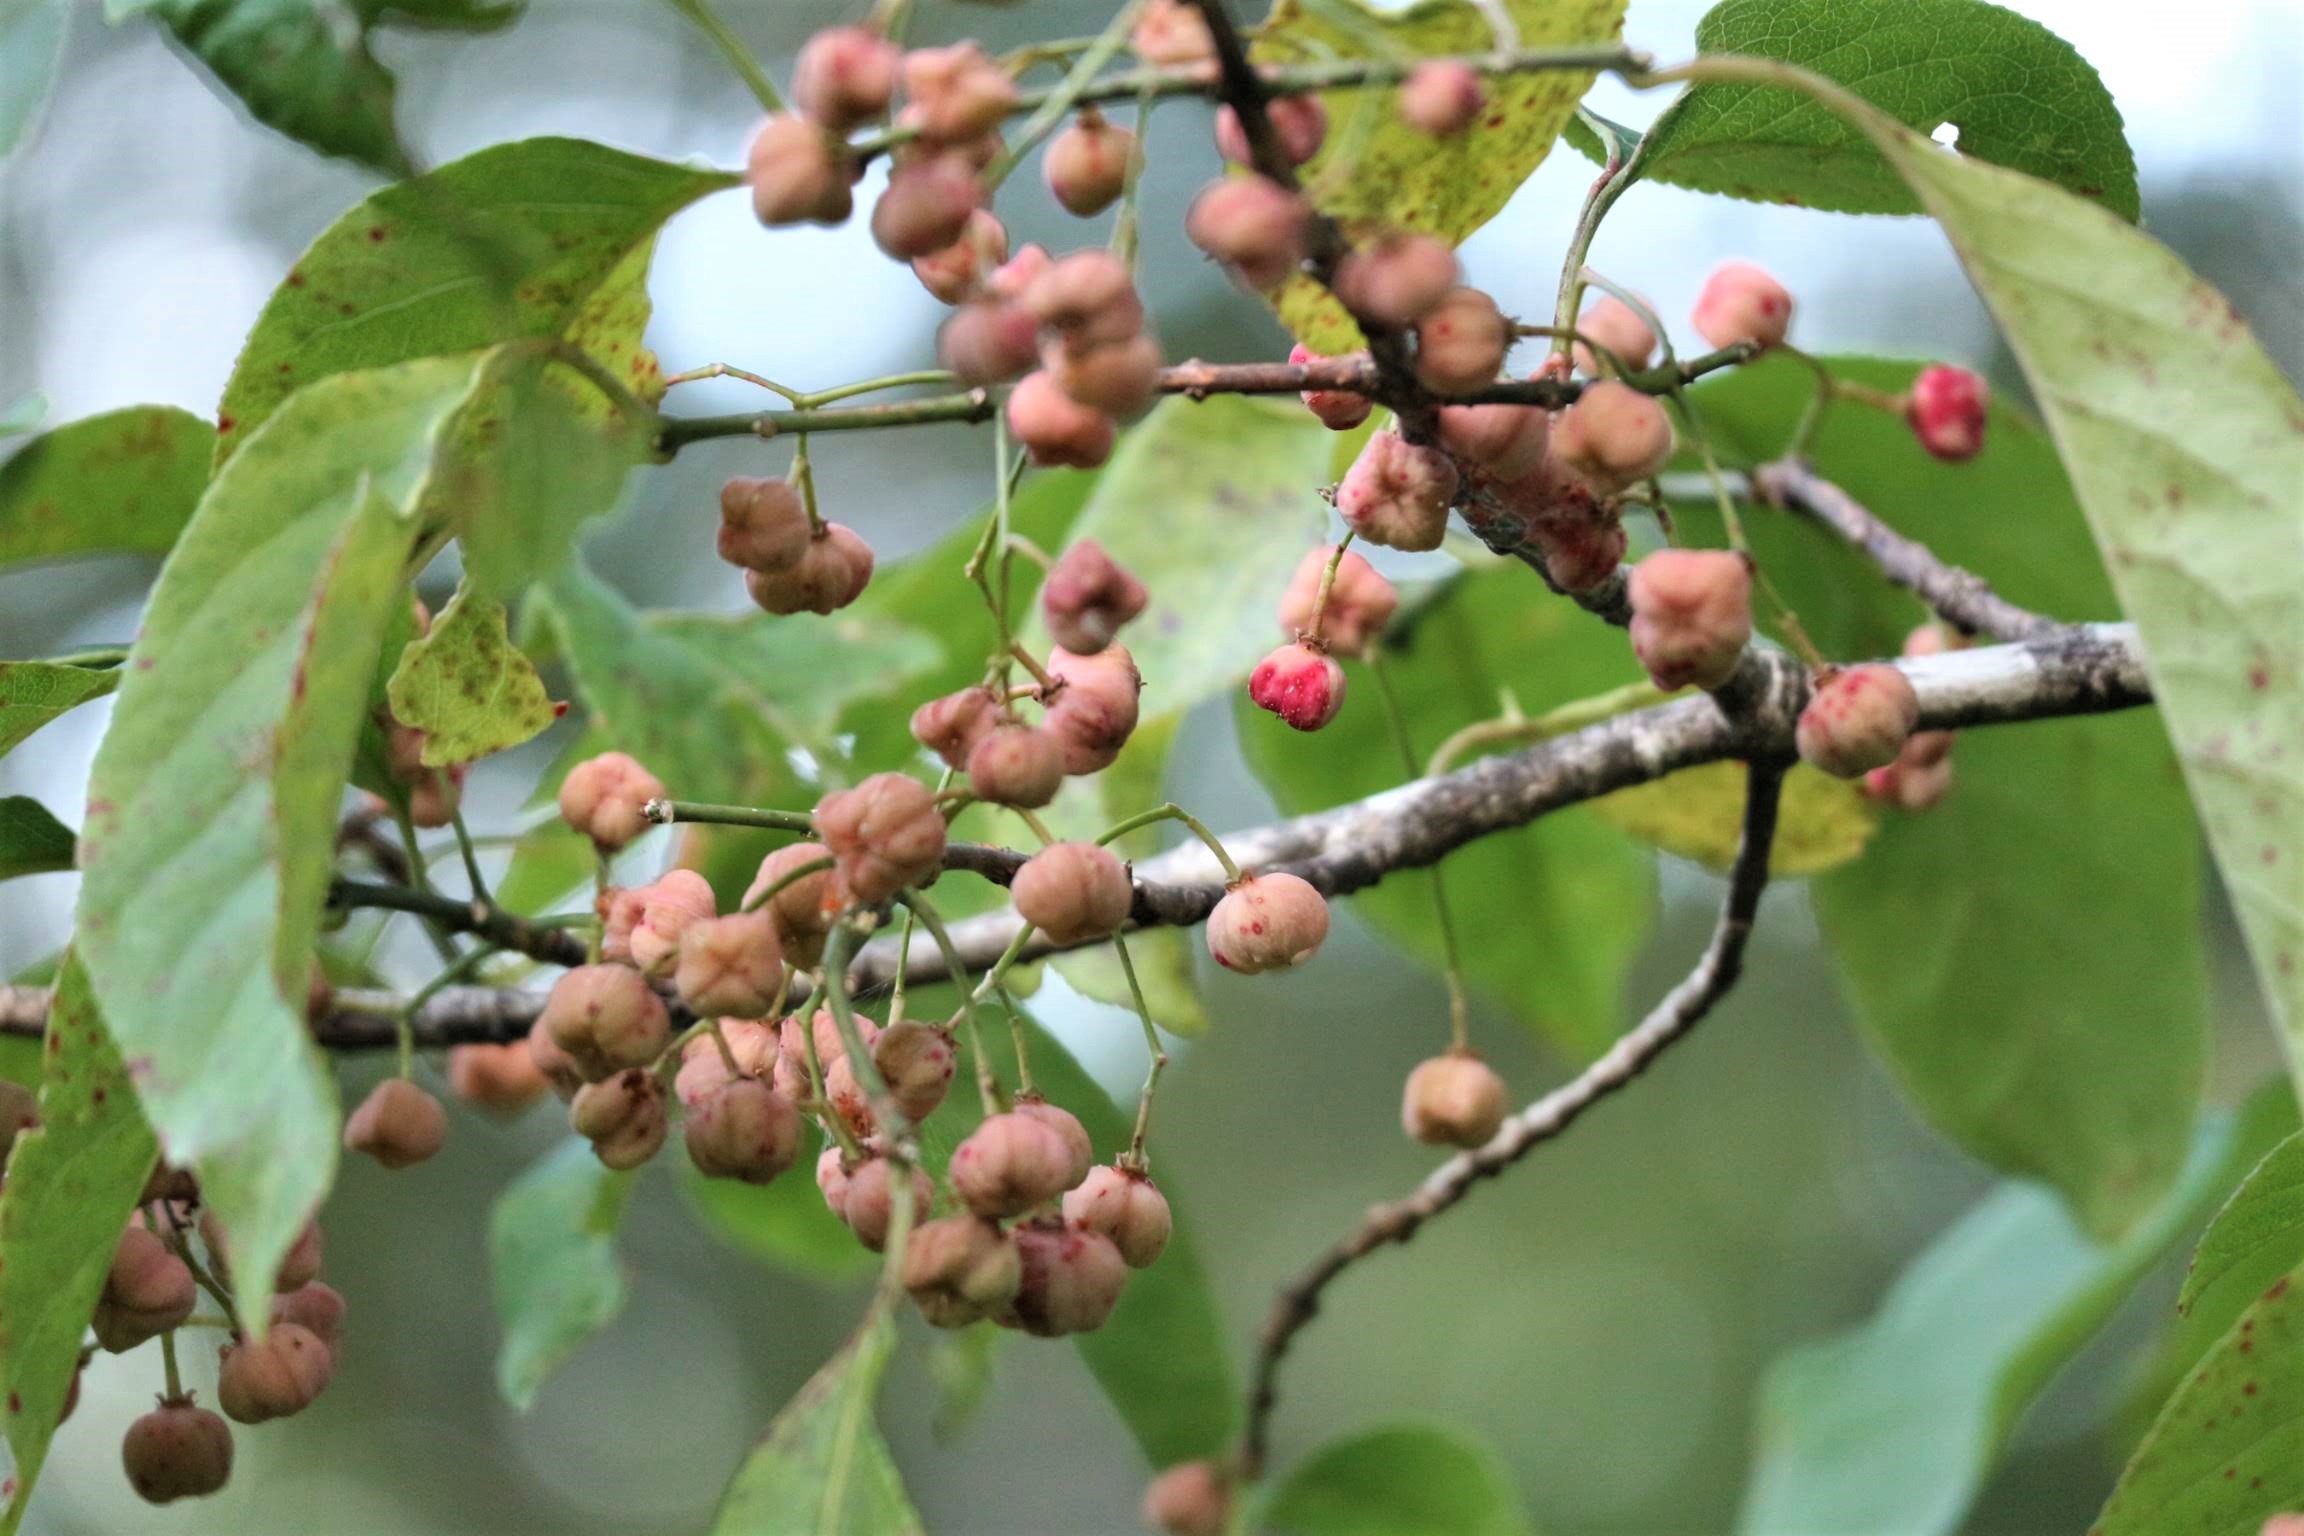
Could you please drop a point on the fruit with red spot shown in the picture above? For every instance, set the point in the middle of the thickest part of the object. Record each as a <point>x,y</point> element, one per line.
<point>398,1124</point>
<point>1087,597</point>
<point>1947,409</point>
<point>799,174</point>
<point>1127,1207</point>
<point>1057,430</point>
<point>316,1308</point>
<point>625,1117</point>
<point>503,1079</point>
<point>1507,441</point>
<point>1360,601</point>
<point>1339,410</point>
<point>1088,296</point>
<point>960,1270</point>
<point>1073,892</point>
<point>1461,342</point>
<point>1691,615</point>
<point>1095,712</point>
<point>177,1451</point>
<point>1857,719</point>
<point>1071,1279</point>
<point>1617,328</point>
<point>1067,1127</point>
<point>1303,686</point>
<point>1016,764</point>
<point>1299,123</point>
<point>1456,1100</point>
<point>956,92</point>
<point>1612,437</point>
<point>1740,302</point>
<point>1396,279</point>
<point>147,1291</point>
<point>829,575</point>
<point>744,1129</point>
<point>1192,1498</point>
<point>1441,97</point>
<point>1269,922</point>
<point>730,966</point>
<point>886,834</point>
<point>802,908</point>
<point>604,798</point>
<point>916,1062</point>
<point>604,1018</point>
<point>751,1044</point>
<point>1011,1163</point>
<point>868,1203</point>
<point>1086,165</point>
<point>1119,378</point>
<point>668,904</point>
<point>926,206</point>
<point>1397,493</point>
<point>957,272</point>
<point>280,1376</point>
<point>989,341</point>
<point>1253,225</point>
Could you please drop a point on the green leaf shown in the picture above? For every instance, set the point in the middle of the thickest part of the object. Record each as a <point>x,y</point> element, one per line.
<point>962,1363</point>
<point>213,801</point>
<point>467,687</point>
<point>1563,904</point>
<point>1405,1481</point>
<point>31,48</point>
<point>1891,1428</point>
<point>305,67</point>
<point>71,1183</point>
<point>2019,95</point>
<point>823,1467</point>
<point>1696,813</point>
<point>1374,170</point>
<point>32,841</point>
<point>123,482</point>
<point>32,693</point>
<point>785,1225</point>
<point>2227,1452</point>
<point>2261,1226</point>
<point>552,1263</point>
<point>511,243</point>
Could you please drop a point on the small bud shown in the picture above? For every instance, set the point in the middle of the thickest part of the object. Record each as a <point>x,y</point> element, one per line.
<point>730,966</point>
<point>317,1309</point>
<point>1127,1207</point>
<point>926,206</point>
<point>398,1124</point>
<point>704,1066</point>
<point>1304,687</point>
<point>1192,1498</point>
<point>1270,922</point>
<point>803,910</point>
<point>1009,1164</point>
<point>1455,1100</point>
<point>845,77</point>
<point>1360,601</point>
<point>1396,494</point>
<point>1613,436</point>
<point>885,832</point>
<point>744,1129</point>
<point>625,1117</point>
<point>1095,712</point>
<point>602,798</point>
<point>1256,227</point>
<point>957,92</point>
<point>1461,342</point>
<point>951,726</point>
<point>916,1061</point>
<point>1396,279</point>
<point>989,342</point>
<point>960,1270</point>
<point>1691,616</point>
<point>799,174</point>
<point>868,1204</point>
<point>177,1451</point>
<point>1071,1280</point>
<point>1056,429</point>
<point>1073,892</point>
<point>1617,327</point>
<point>1087,597</point>
<point>1742,303</point>
<point>957,272</point>
<point>1508,441</point>
<point>668,905</point>
<point>830,575</point>
<point>147,1291</point>
<point>1090,296</point>
<point>1087,164</point>
<point>1119,378</point>
<point>553,1064</point>
<point>1947,410</point>
<point>1298,122</point>
<point>502,1079</point>
<point>1858,719</point>
<point>604,1018</point>
<point>1441,97</point>
<point>273,1379</point>
<point>1339,410</point>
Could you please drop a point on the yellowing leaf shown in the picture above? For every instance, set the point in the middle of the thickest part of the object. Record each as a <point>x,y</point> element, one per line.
<point>468,688</point>
<point>1697,813</point>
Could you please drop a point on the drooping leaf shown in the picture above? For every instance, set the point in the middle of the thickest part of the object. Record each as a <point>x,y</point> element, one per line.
<point>71,1183</point>
<point>2261,1226</point>
<point>213,800</point>
<point>32,693</point>
<point>511,243</point>
<point>1375,170</point>
<point>468,687</point>
<point>1565,902</point>
<point>785,1224</point>
<point>2019,95</point>
<point>1411,1480</point>
<point>1891,1428</point>
<point>1823,822</point>
<point>32,840</point>
<point>823,1466</point>
<point>305,67</point>
<point>31,47</point>
<point>122,482</point>
<point>552,1263</point>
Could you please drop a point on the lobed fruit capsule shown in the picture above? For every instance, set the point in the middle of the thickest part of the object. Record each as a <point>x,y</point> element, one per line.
<point>1397,493</point>
<point>273,1378</point>
<point>1299,123</point>
<point>1070,1280</point>
<point>886,834</point>
<point>845,77</point>
<point>1119,378</point>
<point>957,272</point>
<point>951,726</point>
<point>926,206</point>
<point>829,575</point>
<point>1095,712</point>
<point>552,1063</point>
<point>1127,1207</point>
<point>1303,686</point>
<point>1086,166</point>
<point>1858,719</point>
<point>398,1124</point>
<point>752,1045</point>
<point>1253,225</point>
<point>1360,601</point>
<point>804,909</point>
<point>1016,764</point>
<point>799,174</point>
<point>1507,441</point>
<point>1339,410</point>
<point>1087,597</point>
<point>960,1270</point>
<point>668,905</point>
<point>1461,342</point>
<point>989,341</point>
<point>624,1117</point>
<point>1691,615</point>
<point>1612,437</point>
<point>1441,97</point>
<point>1396,279</point>
<point>1011,1163</point>
<point>177,1451</point>
<point>147,1291</point>
<point>1057,430</point>
<point>1171,32</point>
<point>1947,409</point>
<point>956,93</point>
<point>603,797</point>
<point>743,1129</point>
<point>1073,892</point>
<point>1617,327</point>
<point>1269,922</point>
<point>916,1062</point>
<point>730,966</point>
<point>1456,1100</point>
<point>1089,296</point>
<point>317,1309</point>
<point>868,1203</point>
<point>1740,302</point>
<point>503,1079</point>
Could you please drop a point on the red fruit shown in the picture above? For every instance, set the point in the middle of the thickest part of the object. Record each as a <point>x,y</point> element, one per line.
<point>1397,494</point>
<point>833,573</point>
<point>704,1068</point>
<point>667,906</point>
<point>926,206</point>
<point>1691,615</point>
<point>1192,1498</point>
<point>1613,437</point>
<point>317,1309</point>
<point>960,1270</point>
<point>886,834</point>
<point>1441,97</point>
<point>845,77</point>
<point>1010,1164</point>
<point>1127,1207</point>
<point>624,1117</point>
<point>1119,378</point>
<point>957,272</point>
<point>1089,295</point>
<point>1087,164</point>
<point>1298,122</point>
<point>147,1291</point>
<point>1455,1100</point>
<point>1858,719</point>
<point>1254,226</point>
<point>603,798</point>
<point>1071,1280</point>
<point>1360,601</point>
<point>1095,712</point>
<point>803,910</point>
<point>1461,342</point>
<point>916,1062</point>
<point>988,342</point>
<point>619,908</point>
<point>275,1378</point>
<point>951,726</point>
<point>730,966</point>
<point>1073,892</point>
<point>1396,279</point>
<point>604,1018</point>
<point>1086,598</point>
<point>1742,303</point>
<point>177,1451</point>
<point>1508,441</point>
<point>791,1076</point>
<point>1056,429</point>
<point>1017,765</point>
<point>1270,922</point>
<point>1615,326</point>
<point>744,1129</point>
<point>1068,1128</point>
<point>1304,687</point>
<point>503,1079</point>
<point>1947,409</point>
<point>398,1124</point>
<point>553,1064</point>
<point>956,92</point>
<point>1339,410</point>
<point>799,174</point>
<point>868,1204</point>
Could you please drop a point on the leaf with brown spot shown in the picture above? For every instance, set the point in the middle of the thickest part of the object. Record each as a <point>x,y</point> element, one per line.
<point>468,687</point>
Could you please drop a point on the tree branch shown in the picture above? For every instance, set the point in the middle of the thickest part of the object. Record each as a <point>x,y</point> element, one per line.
<point>505,930</point>
<point>1680,1011</point>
